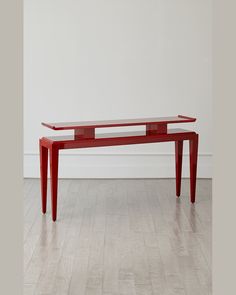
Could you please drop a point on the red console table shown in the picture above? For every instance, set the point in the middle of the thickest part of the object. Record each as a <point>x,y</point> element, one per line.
<point>85,137</point>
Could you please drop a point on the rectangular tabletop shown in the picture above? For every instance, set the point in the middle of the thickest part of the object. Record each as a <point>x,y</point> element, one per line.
<point>118,123</point>
<point>122,138</point>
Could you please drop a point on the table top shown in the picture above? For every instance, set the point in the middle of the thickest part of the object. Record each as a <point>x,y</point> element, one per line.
<point>117,135</point>
<point>118,123</point>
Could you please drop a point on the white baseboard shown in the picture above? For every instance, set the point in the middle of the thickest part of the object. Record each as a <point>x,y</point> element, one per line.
<point>118,165</point>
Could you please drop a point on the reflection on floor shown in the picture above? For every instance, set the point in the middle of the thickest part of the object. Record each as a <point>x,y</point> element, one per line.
<point>118,237</point>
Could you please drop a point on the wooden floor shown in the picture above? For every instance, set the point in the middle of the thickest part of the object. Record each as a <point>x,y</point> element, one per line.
<point>115,237</point>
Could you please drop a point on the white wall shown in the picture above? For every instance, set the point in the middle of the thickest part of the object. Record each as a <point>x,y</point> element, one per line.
<point>97,59</point>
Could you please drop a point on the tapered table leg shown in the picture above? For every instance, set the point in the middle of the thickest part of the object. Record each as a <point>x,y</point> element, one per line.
<point>178,165</point>
<point>54,179</point>
<point>44,174</point>
<point>193,149</point>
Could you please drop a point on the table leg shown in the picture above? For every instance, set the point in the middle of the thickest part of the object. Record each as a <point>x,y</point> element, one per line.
<point>54,179</point>
<point>178,165</point>
<point>193,149</point>
<point>44,175</point>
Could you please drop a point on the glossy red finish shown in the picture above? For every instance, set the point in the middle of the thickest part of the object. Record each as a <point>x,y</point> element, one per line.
<point>44,174</point>
<point>119,123</point>
<point>124,138</point>
<point>193,150</point>
<point>178,165</point>
<point>84,133</point>
<point>54,179</point>
<point>156,129</point>
<point>86,138</point>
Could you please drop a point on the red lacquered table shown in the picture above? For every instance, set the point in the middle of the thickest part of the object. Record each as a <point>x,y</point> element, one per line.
<point>84,137</point>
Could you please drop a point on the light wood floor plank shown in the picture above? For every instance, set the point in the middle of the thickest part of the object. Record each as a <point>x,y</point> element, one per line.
<point>118,237</point>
